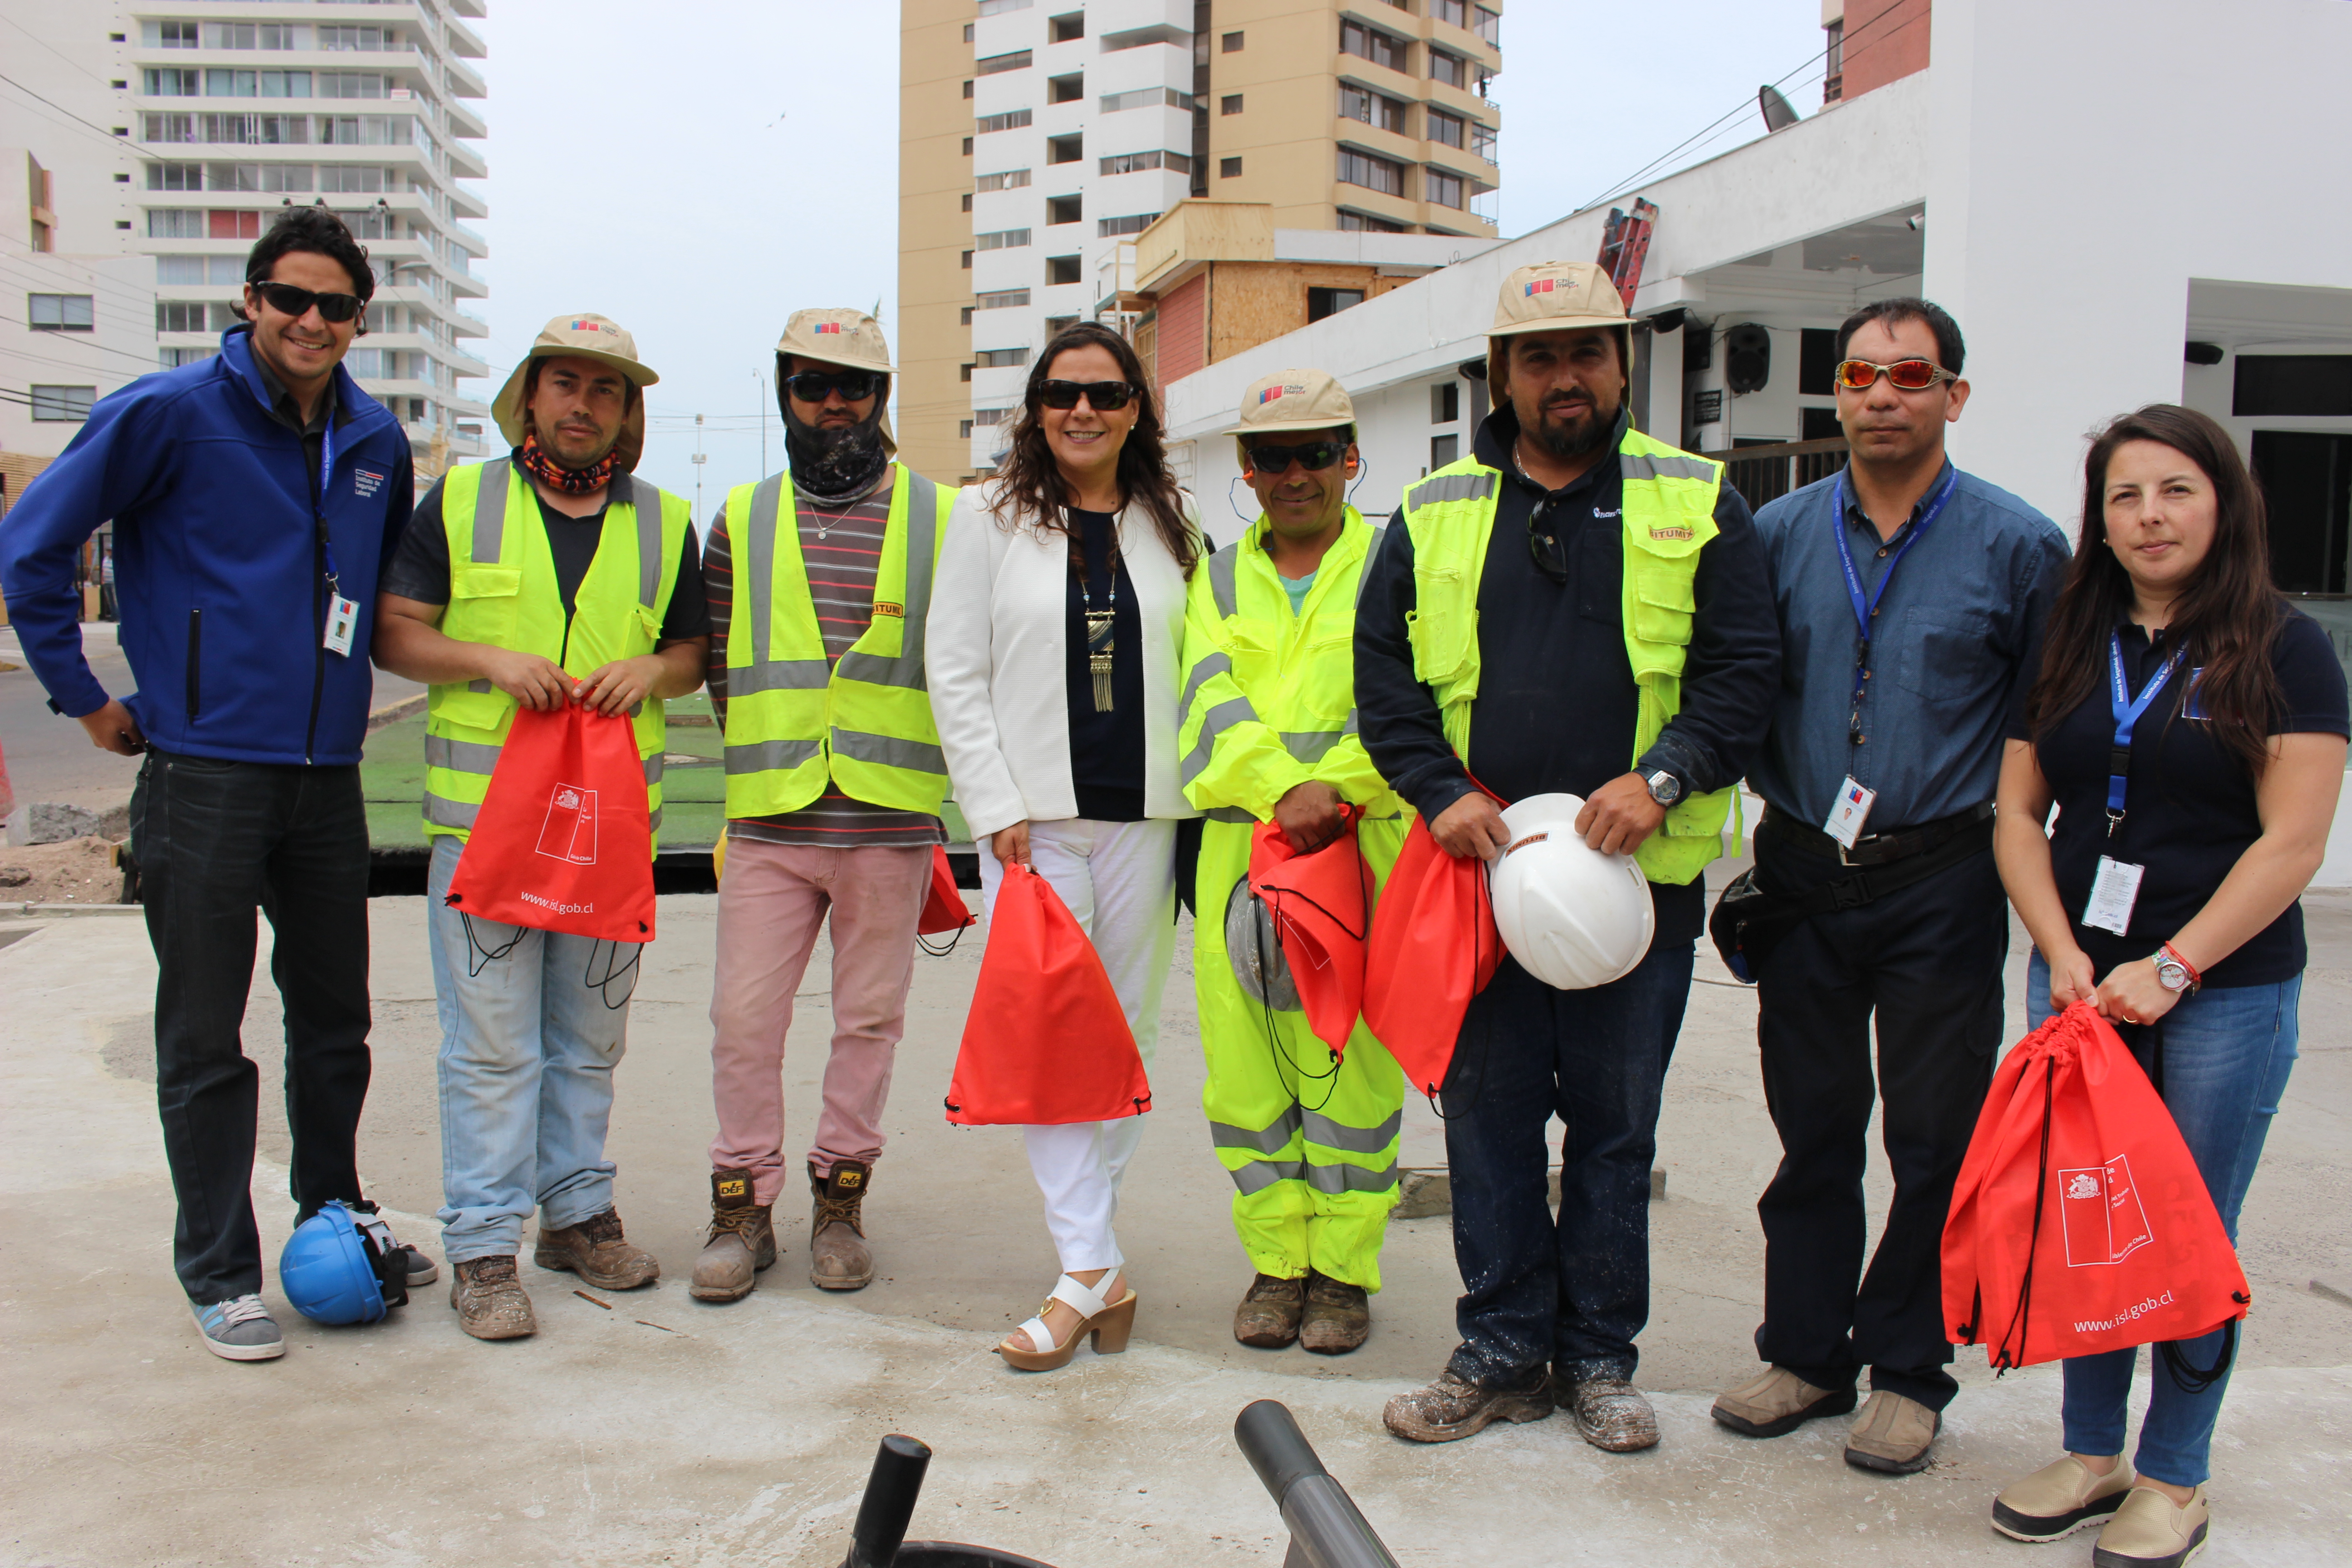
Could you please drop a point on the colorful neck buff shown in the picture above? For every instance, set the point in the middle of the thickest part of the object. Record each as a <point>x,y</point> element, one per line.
<point>535,460</point>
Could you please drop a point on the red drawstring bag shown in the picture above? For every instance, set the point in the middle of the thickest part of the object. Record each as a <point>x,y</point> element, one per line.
<point>1434,947</point>
<point>944,908</point>
<point>1322,903</point>
<point>561,842</point>
<point>1046,1041</point>
<point>2080,1223</point>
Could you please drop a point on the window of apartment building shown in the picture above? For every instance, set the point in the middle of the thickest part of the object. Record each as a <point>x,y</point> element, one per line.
<point>291,177</point>
<point>63,403</point>
<point>967,146</point>
<point>1061,269</point>
<point>1374,109</point>
<point>1061,29</point>
<point>963,317</point>
<point>1371,44</point>
<point>967,260</point>
<point>1063,210</point>
<point>967,201</point>
<point>1487,25</point>
<point>1454,11</point>
<point>1376,173</point>
<point>1445,402</point>
<point>1064,149</point>
<point>1443,449</point>
<point>1058,324</point>
<point>967,31</point>
<point>227,34</point>
<point>1134,223</point>
<point>1065,88</point>
<point>963,373</point>
<point>173,81</point>
<point>1145,97</point>
<point>966,88</point>
<point>1000,359</point>
<point>175,176</point>
<point>1002,300</point>
<point>286,84</point>
<point>171,270</point>
<point>1365,223</point>
<point>278,36</point>
<point>59,312</point>
<point>1482,141</point>
<point>1446,128</point>
<point>999,7</point>
<point>233,84</point>
<point>170,35</point>
<point>179,316</point>
<point>1442,189</point>
<point>1018,60</point>
<point>174,223</point>
<point>172,359</point>
<point>1322,302</point>
<point>1231,43</point>
<point>1230,104</point>
<point>1229,168</point>
<point>232,176</point>
<point>1012,119</point>
<point>1451,69</point>
<point>963,428</point>
<point>1135,162</point>
<point>368,38</point>
<point>1001,239</point>
<point>349,84</point>
<point>1009,180</point>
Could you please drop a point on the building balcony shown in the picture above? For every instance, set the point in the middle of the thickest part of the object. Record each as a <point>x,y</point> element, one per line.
<point>464,164</point>
<point>464,122</point>
<point>463,41</point>
<point>464,81</point>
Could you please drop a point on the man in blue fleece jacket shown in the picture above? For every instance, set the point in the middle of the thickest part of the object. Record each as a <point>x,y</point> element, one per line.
<point>256,497</point>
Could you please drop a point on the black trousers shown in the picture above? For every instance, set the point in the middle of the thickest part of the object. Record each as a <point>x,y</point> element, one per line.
<point>214,840</point>
<point>1926,961</point>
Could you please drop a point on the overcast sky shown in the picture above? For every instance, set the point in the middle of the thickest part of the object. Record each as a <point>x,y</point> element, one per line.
<point>700,173</point>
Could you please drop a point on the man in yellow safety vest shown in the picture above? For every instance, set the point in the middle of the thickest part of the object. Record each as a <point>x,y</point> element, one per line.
<point>1574,608</point>
<point>547,577</point>
<point>1308,1134</point>
<point>819,579</point>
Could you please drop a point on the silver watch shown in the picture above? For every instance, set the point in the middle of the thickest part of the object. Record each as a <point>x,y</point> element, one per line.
<point>2171,972</point>
<point>1665,788</point>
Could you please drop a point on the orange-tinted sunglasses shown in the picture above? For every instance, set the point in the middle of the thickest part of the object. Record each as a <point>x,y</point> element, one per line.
<point>1910,374</point>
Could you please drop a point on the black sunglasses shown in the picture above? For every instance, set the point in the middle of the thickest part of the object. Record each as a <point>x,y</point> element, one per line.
<point>813,385</point>
<point>1543,544</point>
<point>1314,456</point>
<point>1102,397</point>
<point>287,300</point>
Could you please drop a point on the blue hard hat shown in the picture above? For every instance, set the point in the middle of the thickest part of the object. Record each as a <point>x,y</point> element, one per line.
<point>326,1270</point>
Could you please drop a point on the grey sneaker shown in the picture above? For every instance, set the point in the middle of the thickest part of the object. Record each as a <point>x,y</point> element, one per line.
<point>421,1270</point>
<point>239,1329</point>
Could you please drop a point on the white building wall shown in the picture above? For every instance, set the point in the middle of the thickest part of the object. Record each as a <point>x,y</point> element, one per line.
<point>119,345</point>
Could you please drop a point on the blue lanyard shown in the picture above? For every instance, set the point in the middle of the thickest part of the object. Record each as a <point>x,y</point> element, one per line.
<point>1865,605</point>
<point>2127,709</point>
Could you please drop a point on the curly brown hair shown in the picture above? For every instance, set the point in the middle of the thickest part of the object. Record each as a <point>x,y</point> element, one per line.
<point>1031,491</point>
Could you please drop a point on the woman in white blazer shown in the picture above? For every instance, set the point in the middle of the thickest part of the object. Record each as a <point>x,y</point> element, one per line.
<point>1052,647</point>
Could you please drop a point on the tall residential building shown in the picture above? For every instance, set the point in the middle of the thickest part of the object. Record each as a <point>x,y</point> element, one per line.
<point>1039,137</point>
<point>176,129</point>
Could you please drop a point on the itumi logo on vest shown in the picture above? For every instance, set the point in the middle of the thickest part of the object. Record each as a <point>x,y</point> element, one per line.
<point>570,832</point>
<point>1680,531</point>
<point>2101,1210</point>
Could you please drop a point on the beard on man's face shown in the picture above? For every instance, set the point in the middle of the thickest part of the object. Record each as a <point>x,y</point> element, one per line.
<point>1570,436</point>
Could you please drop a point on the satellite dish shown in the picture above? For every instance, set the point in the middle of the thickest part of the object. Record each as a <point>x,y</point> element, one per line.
<point>1778,114</point>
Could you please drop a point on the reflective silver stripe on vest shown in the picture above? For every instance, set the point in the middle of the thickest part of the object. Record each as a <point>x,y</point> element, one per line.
<point>485,686</point>
<point>1230,813</point>
<point>889,751</point>
<point>653,765</point>
<point>442,812</point>
<point>1267,1140</point>
<point>1259,1174</point>
<point>653,823</point>
<point>767,502</point>
<point>1371,553</point>
<point>759,756</point>
<point>1308,745</point>
<point>461,756</point>
<point>1640,466</point>
<point>1221,567</point>
<point>783,675</point>
<point>922,539</point>
<point>491,511</point>
<point>1232,710</point>
<point>1450,487</point>
<point>1321,1129</point>
<point>1208,670</point>
<point>646,501</point>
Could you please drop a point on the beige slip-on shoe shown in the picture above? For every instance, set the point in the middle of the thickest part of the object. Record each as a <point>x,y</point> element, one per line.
<point>2151,1531</point>
<point>1777,1402</point>
<point>2060,1498</point>
<point>1892,1436</point>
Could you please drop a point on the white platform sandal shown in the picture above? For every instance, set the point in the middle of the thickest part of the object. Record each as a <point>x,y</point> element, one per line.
<point>1109,1322</point>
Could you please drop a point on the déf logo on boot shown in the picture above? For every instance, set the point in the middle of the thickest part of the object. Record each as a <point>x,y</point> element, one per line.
<point>570,831</point>
<point>731,1188</point>
<point>848,1178</point>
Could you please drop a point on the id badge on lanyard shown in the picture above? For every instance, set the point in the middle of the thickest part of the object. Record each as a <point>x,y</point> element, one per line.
<point>342,615</point>
<point>2115,889</point>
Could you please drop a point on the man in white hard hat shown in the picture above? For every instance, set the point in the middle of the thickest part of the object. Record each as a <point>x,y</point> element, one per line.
<point>547,577</point>
<point>1268,735</point>
<point>1576,608</point>
<point>819,579</point>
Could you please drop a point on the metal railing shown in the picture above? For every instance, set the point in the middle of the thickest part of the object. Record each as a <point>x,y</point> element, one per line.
<point>1766,473</point>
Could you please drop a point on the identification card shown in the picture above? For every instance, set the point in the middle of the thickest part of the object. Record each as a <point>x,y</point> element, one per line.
<point>343,619</point>
<point>2112,893</point>
<point>1851,810</point>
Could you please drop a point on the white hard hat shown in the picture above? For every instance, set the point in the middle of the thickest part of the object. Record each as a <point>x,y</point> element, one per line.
<point>1574,917</point>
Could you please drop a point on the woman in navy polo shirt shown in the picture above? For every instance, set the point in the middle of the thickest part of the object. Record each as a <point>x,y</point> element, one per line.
<point>2190,725</point>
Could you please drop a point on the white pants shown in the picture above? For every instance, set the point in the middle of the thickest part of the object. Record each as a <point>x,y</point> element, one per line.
<point>1119,879</point>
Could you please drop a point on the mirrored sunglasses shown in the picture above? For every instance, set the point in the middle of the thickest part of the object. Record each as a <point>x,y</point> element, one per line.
<point>1910,374</point>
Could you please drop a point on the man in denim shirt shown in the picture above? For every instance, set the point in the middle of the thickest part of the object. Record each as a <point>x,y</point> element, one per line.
<point>1877,777</point>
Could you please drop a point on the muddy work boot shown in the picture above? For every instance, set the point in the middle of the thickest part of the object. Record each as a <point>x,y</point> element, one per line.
<point>1338,1316</point>
<point>838,1256</point>
<point>742,1242</point>
<point>1267,1317</point>
<point>490,1299</point>
<point>1452,1408</point>
<point>1610,1413</point>
<point>595,1250</point>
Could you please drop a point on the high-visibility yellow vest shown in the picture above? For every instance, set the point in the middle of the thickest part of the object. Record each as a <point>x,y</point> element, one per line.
<point>794,718</point>
<point>1669,514</point>
<point>1269,699</point>
<point>502,591</point>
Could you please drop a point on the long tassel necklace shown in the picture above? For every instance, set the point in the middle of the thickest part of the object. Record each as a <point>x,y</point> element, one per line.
<point>1100,646</point>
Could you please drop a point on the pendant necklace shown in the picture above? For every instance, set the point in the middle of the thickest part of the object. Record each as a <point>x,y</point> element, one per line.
<point>1099,645</point>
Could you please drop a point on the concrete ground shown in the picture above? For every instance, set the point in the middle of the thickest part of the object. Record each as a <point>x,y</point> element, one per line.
<point>648,1428</point>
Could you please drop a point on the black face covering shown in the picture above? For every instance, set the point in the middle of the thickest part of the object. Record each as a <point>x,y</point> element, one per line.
<point>834,465</point>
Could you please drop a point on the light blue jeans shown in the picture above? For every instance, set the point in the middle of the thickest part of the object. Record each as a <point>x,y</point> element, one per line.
<point>2227,1054</point>
<point>527,1050</point>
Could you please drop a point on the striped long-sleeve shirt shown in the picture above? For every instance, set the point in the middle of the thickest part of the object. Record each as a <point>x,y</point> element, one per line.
<point>842,547</point>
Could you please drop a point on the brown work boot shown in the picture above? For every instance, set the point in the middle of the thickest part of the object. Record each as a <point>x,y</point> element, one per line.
<point>1267,1317</point>
<point>490,1299</point>
<point>1338,1316</point>
<point>1610,1412</point>
<point>838,1256</point>
<point>742,1242</point>
<point>1892,1436</point>
<point>1451,1407</point>
<point>595,1250</point>
<point>1777,1402</point>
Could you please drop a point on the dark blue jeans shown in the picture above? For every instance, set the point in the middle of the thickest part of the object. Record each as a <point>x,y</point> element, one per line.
<point>215,840</point>
<point>1573,1291</point>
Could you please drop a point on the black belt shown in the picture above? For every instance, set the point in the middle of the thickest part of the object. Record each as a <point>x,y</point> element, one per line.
<point>1878,848</point>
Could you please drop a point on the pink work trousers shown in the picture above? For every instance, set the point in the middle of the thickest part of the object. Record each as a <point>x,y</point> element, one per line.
<point>771,899</point>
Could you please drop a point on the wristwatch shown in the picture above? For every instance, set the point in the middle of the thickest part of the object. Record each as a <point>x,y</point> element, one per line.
<point>1665,788</point>
<point>2173,971</point>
